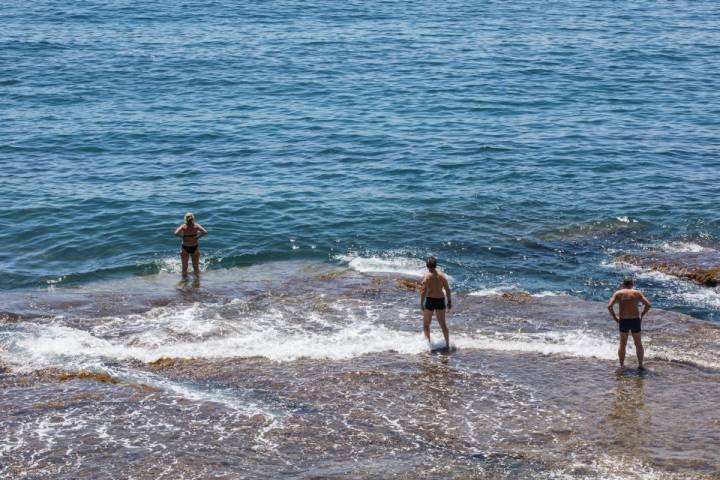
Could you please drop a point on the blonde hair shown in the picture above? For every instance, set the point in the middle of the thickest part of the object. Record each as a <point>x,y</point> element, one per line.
<point>188,216</point>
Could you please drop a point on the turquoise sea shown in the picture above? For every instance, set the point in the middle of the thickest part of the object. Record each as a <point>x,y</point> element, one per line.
<point>526,144</point>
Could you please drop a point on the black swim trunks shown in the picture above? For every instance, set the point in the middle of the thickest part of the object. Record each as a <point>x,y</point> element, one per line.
<point>629,325</point>
<point>190,249</point>
<point>434,303</point>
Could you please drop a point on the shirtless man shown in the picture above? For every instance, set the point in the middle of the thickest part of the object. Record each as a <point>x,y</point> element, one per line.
<point>190,233</point>
<point>433,299</point>
<point>630,318</point>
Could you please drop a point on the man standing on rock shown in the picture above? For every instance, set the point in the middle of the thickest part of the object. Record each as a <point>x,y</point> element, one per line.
<point>432,298</point>
<point>630,318</point>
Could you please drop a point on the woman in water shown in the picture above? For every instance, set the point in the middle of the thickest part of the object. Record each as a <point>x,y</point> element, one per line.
<point>190,233</point>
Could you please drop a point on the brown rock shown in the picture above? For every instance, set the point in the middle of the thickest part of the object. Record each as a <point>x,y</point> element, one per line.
<point>168,362</point>
<point>69,401</point>
<point>710,278</point>
<point>54,374</point>
<point>690,267</point>
<point>409,284</point>
<point>55,404</point>
<point>98,377</point>
<point>517,296</point>
<point>332,275</point>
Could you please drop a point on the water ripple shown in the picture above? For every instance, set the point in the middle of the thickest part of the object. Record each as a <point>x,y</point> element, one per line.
<point>368,126</point>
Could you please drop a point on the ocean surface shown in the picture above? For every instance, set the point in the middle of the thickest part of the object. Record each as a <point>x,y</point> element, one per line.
<point>329,147</point>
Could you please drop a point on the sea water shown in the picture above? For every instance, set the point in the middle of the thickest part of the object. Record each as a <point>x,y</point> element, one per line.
<point>525,144</point>
<point>328,148</point>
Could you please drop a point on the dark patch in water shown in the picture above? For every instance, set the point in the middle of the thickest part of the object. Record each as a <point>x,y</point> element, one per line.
<point>72,401</point>
<point>9,317</point>
<point>52,374</point>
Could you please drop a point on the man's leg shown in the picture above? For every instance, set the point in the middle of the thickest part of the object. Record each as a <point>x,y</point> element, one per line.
<point>184,259</point>
<point>196,262</point>
<point>621,349</point>
<point>441,320</point>
<point>639,348</point>
<point>427,318</point>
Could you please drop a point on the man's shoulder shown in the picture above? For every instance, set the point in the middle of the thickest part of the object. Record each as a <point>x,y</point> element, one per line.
<point>633,292</point>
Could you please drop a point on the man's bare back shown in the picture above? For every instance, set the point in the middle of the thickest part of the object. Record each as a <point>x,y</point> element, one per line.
<point>434,283</point>
<point>629,300</point>
<point>630,318</point>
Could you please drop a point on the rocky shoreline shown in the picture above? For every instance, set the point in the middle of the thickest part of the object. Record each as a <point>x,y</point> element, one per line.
<point>700,267</point>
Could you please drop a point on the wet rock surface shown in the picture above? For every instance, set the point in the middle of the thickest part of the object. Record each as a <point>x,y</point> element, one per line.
<point>701,267</point>
<point>328,377</point>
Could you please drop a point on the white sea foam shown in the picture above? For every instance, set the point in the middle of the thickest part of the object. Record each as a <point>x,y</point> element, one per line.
<point>685,291</point>
<point>606,467</point>
<point>620,266</point>
<point>500,289</point>
<point>55,345</point>
<point>655,276</point>
<point>35,346</point>
<point>195,321</point>
<point>683,247</point>
<point>202,394</point>
<point>384,264</point>
<point>174,264</point>
<point>702,297</point>
<point>572,343</point>
<point>282,332</point>
<point>497,290</point>
<point>547,293</point>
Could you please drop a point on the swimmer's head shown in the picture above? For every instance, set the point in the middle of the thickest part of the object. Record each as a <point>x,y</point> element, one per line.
<point>628,282</point>
<point>189,218</point>
<point>431,263</point>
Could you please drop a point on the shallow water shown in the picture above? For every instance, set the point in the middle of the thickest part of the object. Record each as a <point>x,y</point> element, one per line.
<point>303,370</point>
